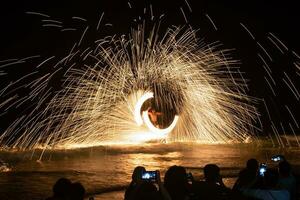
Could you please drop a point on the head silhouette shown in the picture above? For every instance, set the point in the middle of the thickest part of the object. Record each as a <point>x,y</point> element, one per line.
<point>284,168</point>
<point>137,174</point>
<point>77,191</point>
<point>175,181</point>
<point>61,188</point>
<point>211,172</point>
<point>252,164</point>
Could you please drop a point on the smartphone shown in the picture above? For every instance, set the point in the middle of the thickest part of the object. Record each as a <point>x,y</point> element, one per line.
<point>277,158</point>
<point>262,169</point>
<point>149,176</point>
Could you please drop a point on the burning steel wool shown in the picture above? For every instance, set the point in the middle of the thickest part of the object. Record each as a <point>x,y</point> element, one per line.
<point>139,88</point>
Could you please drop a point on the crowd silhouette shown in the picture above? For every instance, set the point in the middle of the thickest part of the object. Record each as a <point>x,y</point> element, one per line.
<point>64,189</point>
<point>255,181</point>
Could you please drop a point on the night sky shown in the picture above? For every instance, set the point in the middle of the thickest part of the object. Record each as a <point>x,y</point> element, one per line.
<point>23,35</point>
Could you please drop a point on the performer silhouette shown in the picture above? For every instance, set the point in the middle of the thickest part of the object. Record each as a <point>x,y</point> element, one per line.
<point>153,114</point>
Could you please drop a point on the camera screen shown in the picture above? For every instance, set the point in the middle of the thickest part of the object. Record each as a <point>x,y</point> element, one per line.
<point>149,175</point>
<point>277,158</point>
<point>262,169</point>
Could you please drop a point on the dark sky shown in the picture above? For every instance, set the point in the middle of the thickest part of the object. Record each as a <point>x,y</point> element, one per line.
<point>261,17</point>
<point>23,35</point>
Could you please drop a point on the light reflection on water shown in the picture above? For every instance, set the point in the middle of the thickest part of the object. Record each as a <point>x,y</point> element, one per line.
<point>109,168</point>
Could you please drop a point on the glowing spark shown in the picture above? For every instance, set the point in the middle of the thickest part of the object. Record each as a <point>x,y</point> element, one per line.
<point>212,22</point>
<point>295,54</point>
<point>82,36</point>
<point>24,77</point>
<point>293,86</point>
<point>161,16</point>
<point>129,5</point>
<point>53,21</point>
<point>68,29</point>
<point>30,57</point>
<point>285,134</point>
<point>45,61</point>
<point>298,68</point>
<point>188,5</point>
<point>151,12</point>
<point>79,18</point>
<point>251,35</point>
<point>87,55</point>
<point>272,34</point>
<point>8,101</point>
<point>5,88</point>
<point>185,19</point>
<point>270,86</point>
<point>84,52</point>
<point>52,25</point>
<point>265,63</point>
<point>2,114</point>
<point>37,13</point>
<point>8,60</point>
<point>267,68</point>
<point>294,133</point>
<point>12,63</point>
<point>16,102</point>
<point>279,140</point>
<point>292,115</point>
<point>273,42</point>
<point>269,73</point>
<point>244,81</point>
<point>264,50</point>
<point>100,19</point>
<point>267,109</point>
<point>2,73</point>
<point>295,92</point>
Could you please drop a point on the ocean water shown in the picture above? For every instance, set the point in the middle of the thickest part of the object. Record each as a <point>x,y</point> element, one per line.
<point>106,171</point>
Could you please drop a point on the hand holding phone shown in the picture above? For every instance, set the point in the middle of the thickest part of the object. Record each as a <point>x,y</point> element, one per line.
<point>262,169</point>
<point>189,177</point>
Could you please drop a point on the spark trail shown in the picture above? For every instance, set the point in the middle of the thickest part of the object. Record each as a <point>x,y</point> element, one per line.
<point>96,104</point>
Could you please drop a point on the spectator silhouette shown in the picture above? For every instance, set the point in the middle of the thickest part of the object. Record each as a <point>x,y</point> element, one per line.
<point>286,179</point>
<point>61,189</point>
<point>176,183</point>
<point>247,177</point>
<point>269,191</point>
<point>77,191</point>
<point>213,186</point>
<point>135,183</point>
